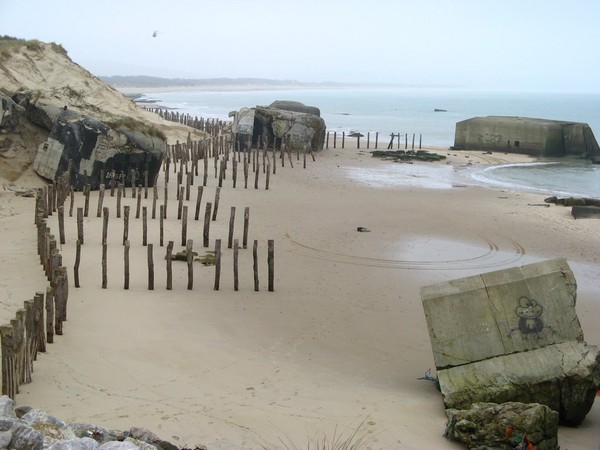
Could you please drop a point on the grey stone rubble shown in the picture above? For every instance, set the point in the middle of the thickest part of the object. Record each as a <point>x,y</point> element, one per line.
<point>26,428</point>
<point>513,336</point>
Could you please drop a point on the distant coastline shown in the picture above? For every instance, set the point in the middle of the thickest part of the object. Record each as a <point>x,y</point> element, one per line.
<point>141,84</point>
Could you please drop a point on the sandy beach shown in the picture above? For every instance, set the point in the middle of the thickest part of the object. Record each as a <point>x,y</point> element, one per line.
<point>339,344</point>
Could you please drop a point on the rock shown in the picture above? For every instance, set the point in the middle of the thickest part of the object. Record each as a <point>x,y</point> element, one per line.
<point>22,410</point>
<point>504,425</point>
<point>300,130</point>
<point>7,407</point>
<point>75,444</point>
<point>114,445</point>
<point>5,438</point>
<point>94,146</point>
<point>513,335</point>
<point>26,438</point>
<point>140,444</point>
<point>99,434</point>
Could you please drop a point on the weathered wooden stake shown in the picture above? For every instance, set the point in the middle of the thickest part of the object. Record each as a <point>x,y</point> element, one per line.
<point>105,225</point>
<point>217,195</point>
<point>77,262</point>
<point>144,226</point>
<point>184,222</point>
<point>86,205</point>
<point>255,264</point>
<point>162,219</point>
<point>154,199</point>
<point>133,180</point>
<point>104,263</point>
<point>145,184</point>
<point>138,204</point>
<point>150,268</point>
<point>126,265</point>
<point>206,223</point>
<point>246,224</point>
<point>235,265</point>
<point>61,224</point>
<point>170,265</point>
<point>180,205</point>
<point>80,225</point>
<point>198,201</point>
<point>125,223</point>
<point>271,263</point>
<point>100,201</point>
<point>49,315</point>
<point>119,195</point>
<point>189,253</point>
<point>72,202</point>
<point>231,224</point>
<point>217,264</point>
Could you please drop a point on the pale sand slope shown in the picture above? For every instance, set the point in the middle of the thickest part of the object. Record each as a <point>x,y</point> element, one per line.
<point>342,339</point>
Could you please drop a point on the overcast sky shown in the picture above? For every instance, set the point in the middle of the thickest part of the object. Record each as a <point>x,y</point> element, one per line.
<point>542,45</point>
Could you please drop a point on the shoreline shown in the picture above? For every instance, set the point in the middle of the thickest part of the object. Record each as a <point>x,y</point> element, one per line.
<point>341,341</point>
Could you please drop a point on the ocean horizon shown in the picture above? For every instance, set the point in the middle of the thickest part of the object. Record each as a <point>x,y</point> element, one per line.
<point>430,114</point>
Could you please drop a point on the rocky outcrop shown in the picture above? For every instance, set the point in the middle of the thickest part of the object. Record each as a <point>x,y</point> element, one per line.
<point>506,426</point>
<point>513,335</point>
<point>93,148</point>
<point>297,127</point>
<point>27,428</point>
<point>10,114</point>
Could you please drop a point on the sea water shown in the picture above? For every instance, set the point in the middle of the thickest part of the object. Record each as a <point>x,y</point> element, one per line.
<point>431,115</point>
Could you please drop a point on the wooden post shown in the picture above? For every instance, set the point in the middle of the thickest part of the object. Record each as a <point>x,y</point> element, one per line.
<point>77,262</point>
<point>231,224</point>
<point>72,202</point>
<point>376,139</point>
<point>162,219</point>
<point>144,226</point>
<point>206,223</point>
<point>180,204</point>
<point>154,199</point>
<point>255,264</point>
<point>80,225</point>
<point>256,175</point>
<point>217,195</point>
<point>49,315</point>
<point>271,263</point>
<point>420,140</point>
<point>268,176</point>
<point>150,267</point>
<point>368,139</point>
<point>119,195</point>
<point>234,176</point>
<point>61,224</point>
<point>133,179</point>
<point>100,201</point>
<point>125,223</point>
<point>246,224</point>
<point>189,253</point>
<point>104,263</point>
<point>145,184</point>
<point>38,304</point>
<point>217,264</point>
<point>235,265</point>
<point>358,141</point>
<point>165,201</point>
<point>126,265</point>
<point>413,142</point>
<point>138,202</point>
<point>198,201</point>
<point>184,221</point>
<point>169,259</point>
<point>86,205</point>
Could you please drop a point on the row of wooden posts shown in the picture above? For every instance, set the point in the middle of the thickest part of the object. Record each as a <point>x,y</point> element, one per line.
<point>28,333</point>
<point>210,126</point>
<point>394,137</point>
